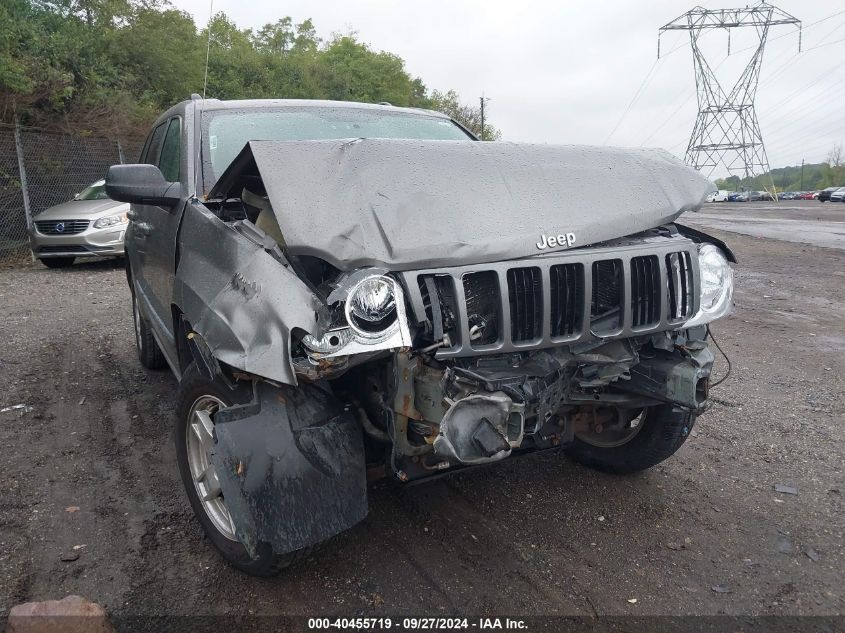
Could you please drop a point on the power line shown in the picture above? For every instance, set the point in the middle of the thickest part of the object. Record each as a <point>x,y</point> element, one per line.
<point>690,94</point>
<point>816,79</point>
<point>633,100</point>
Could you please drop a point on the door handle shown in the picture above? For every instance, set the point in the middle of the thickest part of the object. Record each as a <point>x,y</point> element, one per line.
<point>132,214</point>
<point>142,228</point>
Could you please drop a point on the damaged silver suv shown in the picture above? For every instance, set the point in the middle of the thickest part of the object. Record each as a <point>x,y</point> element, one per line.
<point>350,291</point>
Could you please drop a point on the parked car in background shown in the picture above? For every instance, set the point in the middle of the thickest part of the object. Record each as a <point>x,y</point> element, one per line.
<point>752,196</point>
<point>838,195</point>
<point>737,196</point>
<point>90,225</point>
<point>808,195</point>
<point>720,195</point>
<point>824,194</point>
<point>764,195</point>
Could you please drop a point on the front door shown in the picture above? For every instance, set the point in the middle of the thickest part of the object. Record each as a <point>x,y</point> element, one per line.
<point>153,234</point>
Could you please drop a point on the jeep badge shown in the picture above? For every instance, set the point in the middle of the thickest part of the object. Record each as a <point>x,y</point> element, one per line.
<point>550,241</point>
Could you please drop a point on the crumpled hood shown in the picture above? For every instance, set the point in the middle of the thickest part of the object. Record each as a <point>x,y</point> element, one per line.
<point>408,204</point>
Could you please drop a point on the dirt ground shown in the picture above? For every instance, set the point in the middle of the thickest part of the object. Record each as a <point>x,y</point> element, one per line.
<point>89,473</point>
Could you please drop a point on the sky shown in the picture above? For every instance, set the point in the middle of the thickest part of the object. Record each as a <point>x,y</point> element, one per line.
<point>587,72</point>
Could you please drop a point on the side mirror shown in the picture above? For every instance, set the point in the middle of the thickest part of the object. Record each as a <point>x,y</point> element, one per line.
<point>141,184</point>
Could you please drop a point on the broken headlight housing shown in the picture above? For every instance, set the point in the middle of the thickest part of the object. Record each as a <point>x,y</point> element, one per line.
<point>370,316</point>
<point>716,287</point>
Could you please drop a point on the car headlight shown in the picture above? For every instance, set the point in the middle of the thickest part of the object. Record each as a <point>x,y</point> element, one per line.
<point>369,317</point>
<point>371,306</point>
<point>110,220</point>
<point>716,287</point>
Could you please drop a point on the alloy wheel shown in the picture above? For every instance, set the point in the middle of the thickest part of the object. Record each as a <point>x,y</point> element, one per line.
<point>199,441</point>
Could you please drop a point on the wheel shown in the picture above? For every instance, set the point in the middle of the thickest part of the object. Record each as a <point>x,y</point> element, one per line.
<point>58,262</point>
<point>642,442</point>
<point>149,352</point>
<point>199,399</point>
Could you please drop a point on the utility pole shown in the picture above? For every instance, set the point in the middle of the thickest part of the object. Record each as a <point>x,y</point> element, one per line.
<point>802,175</point>
<point>482,115</point>
<point>726,130</point>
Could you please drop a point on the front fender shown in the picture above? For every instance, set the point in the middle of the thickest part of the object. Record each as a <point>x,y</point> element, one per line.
<point>291,466</point>
<point>242,300</point>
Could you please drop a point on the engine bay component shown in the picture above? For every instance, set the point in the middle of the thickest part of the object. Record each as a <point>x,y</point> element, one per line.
<point>480,428</point>
<point>681,377</point>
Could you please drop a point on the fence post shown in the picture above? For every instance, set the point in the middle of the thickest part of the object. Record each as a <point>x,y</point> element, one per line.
<point>120,152</point>
<point>24,189</point>
<point>22,171</point>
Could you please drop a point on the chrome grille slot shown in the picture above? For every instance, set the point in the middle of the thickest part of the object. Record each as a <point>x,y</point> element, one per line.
<point>606,308</point>
<point>567,299</point>
<point>679,286</point>
<point>445,303</point>
<point>645,290</point>
<point>525,298</point>
<point>482,300</point>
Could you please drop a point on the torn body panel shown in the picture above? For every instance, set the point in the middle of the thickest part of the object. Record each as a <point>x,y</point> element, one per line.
<point>241,297</point>
<point>291,467</point>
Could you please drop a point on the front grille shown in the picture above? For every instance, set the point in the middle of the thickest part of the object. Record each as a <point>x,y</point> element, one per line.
<point>606,292</point>
<point>62,249</point>
<point>61,227</point>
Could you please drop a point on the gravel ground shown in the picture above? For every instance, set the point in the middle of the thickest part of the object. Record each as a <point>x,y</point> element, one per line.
<point>89,474</point>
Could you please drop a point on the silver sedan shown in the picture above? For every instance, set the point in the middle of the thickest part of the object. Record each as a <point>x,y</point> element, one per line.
<point>90,225</point>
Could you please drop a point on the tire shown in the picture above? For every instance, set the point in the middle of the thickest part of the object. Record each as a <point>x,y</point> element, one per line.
<point>196,388</point>
<point>149,353</point>
<point>663,432</point>
<point>58,262</point>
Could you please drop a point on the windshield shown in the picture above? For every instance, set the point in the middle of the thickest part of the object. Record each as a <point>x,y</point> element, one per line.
<point>97,191</point>
<point>227,131</point>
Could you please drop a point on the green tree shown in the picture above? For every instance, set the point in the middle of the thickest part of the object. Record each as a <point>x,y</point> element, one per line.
<point>351,71</point>
<point>107,66</point>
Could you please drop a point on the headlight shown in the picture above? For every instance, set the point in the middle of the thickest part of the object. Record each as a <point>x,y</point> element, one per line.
<point>110,220</point>
<point>371,306</point>
<point>370,317</point>
<point>717,285</point>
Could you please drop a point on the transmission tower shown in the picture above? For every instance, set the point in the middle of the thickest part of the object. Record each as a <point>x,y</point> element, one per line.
<point>726,130</point>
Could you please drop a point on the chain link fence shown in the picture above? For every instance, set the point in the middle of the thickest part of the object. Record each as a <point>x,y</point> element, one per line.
<point>39,169</point>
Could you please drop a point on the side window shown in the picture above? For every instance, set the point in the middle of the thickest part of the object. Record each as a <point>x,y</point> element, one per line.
<point>154,145</point>
<point>170,151</point>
